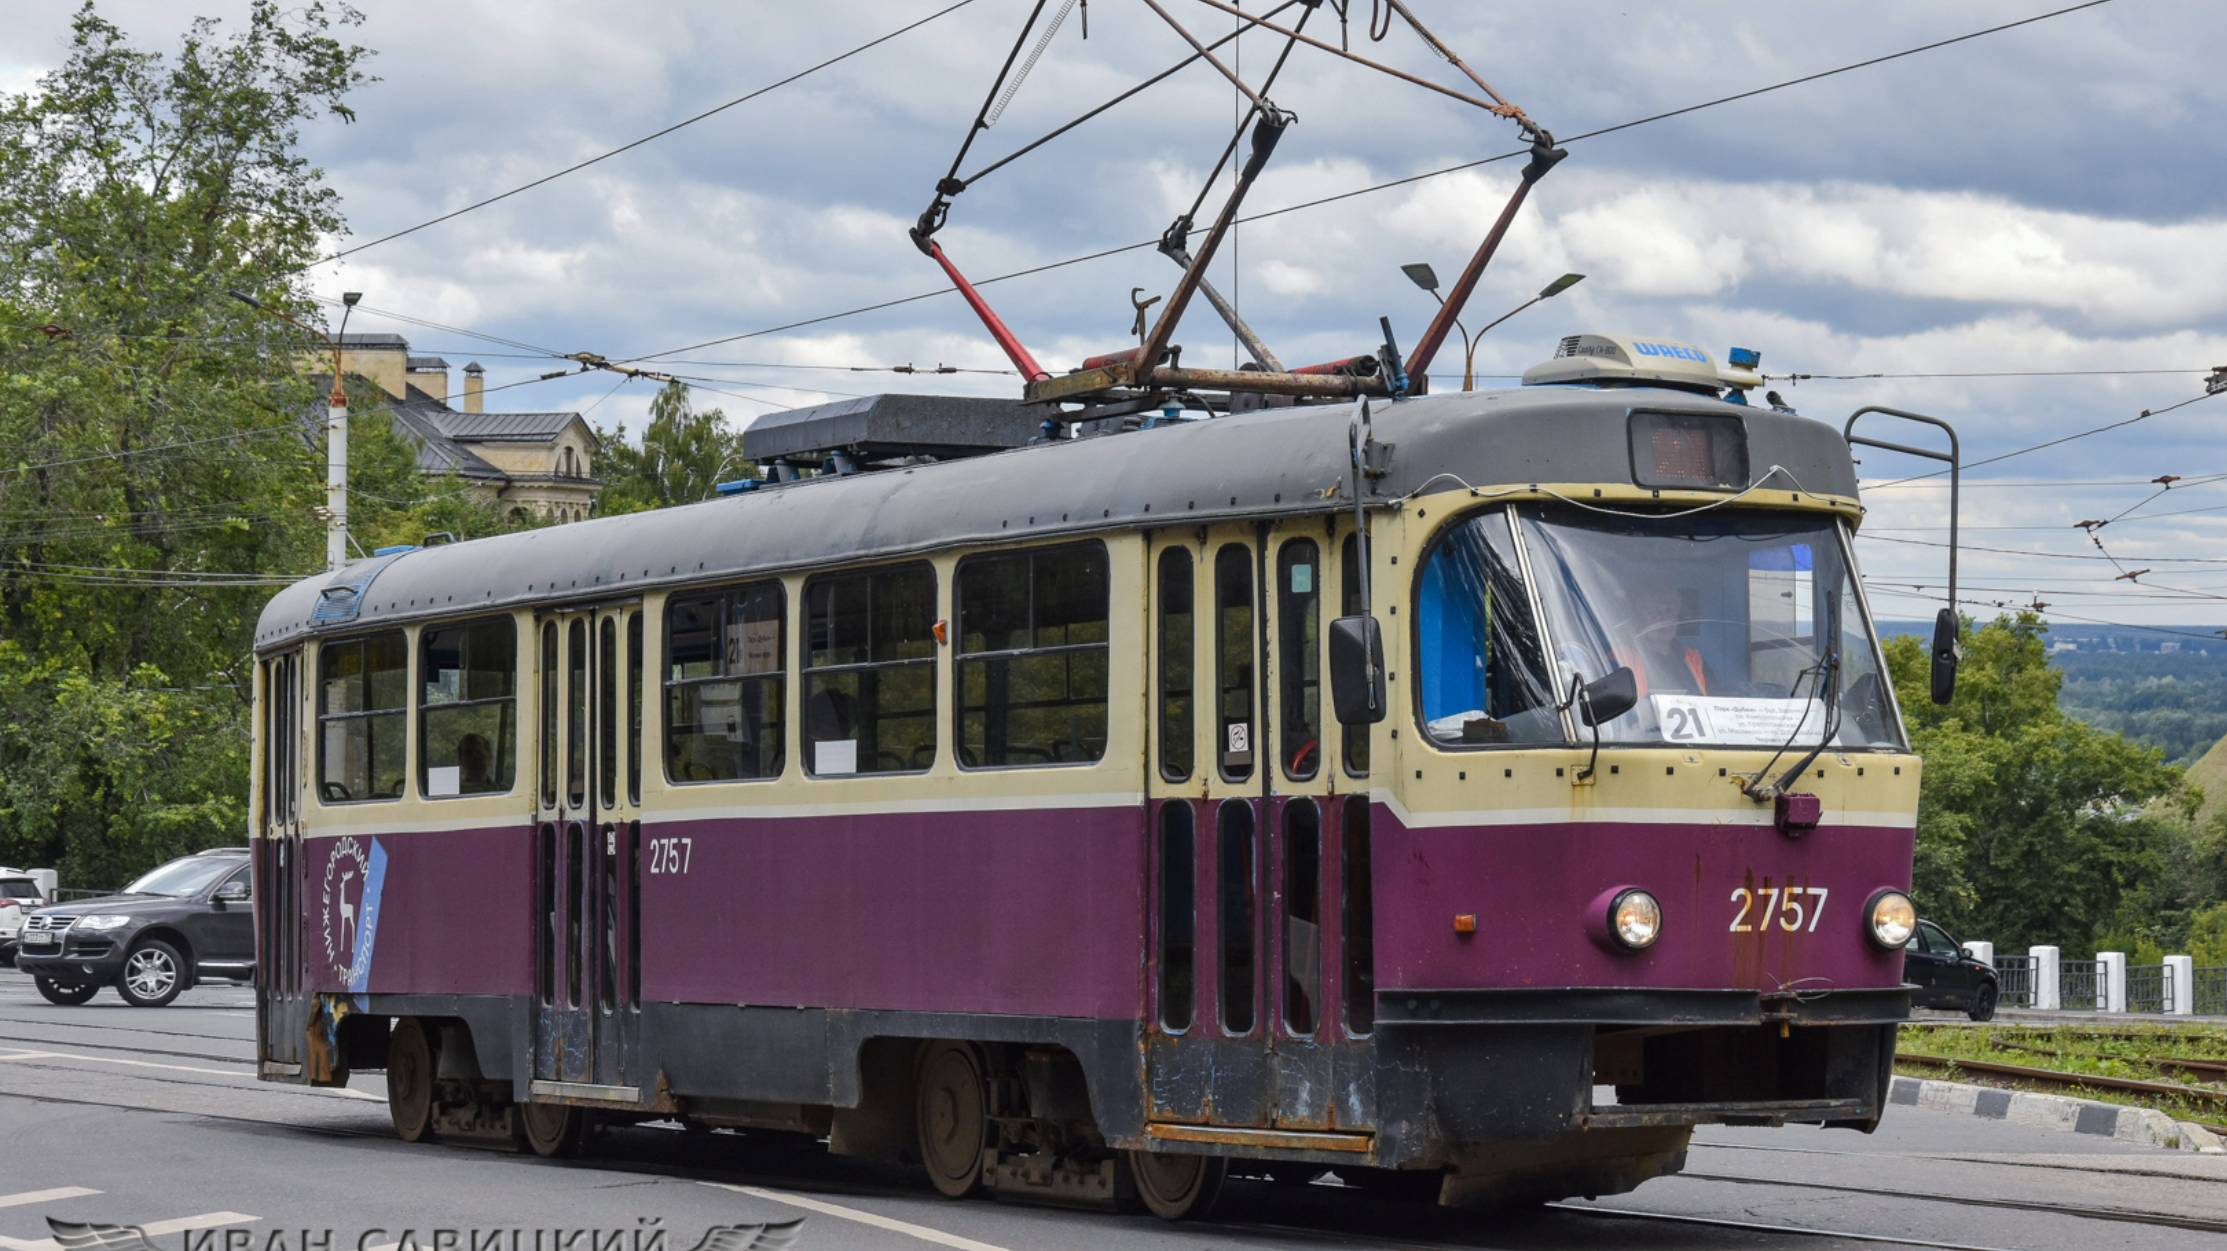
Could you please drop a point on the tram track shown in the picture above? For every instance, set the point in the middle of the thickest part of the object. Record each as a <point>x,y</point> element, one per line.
<point>2127,1216</point>
<point>2086,1169</point>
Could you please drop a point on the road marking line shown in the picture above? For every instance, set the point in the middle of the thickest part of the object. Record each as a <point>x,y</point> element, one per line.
<point>839,1212</point>
<point>207,1220</point>
<point>55,1195</point>
<point>174,1068</point>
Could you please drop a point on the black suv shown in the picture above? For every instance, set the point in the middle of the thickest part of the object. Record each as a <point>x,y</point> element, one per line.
<point>190,920</point>
<point>1946,976</point>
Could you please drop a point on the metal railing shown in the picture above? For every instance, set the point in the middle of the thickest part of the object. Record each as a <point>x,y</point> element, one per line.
<point>2080,985</point>
<point>2014,981</point>
<point>65,894</point>
<point>2211,990</point>
<point>2148,988</point>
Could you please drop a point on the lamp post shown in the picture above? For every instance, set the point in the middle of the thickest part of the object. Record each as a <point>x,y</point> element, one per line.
<point>1422,275</point>
<point>336,430</point>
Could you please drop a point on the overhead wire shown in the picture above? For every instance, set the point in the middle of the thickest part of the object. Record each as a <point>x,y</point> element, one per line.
<point>648,138</point>
<point>1396,182</point>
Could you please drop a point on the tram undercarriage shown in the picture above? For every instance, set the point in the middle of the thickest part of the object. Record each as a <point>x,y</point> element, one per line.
<point>1469,1115</point>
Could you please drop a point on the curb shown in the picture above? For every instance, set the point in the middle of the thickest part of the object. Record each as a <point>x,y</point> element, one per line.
<point>2144,1126</point>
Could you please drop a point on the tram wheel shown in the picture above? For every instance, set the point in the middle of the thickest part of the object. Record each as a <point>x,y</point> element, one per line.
<point>410,1080</point>
<point>1177,1187</point>
<point>549,1130</point>
<point>950,1113</point>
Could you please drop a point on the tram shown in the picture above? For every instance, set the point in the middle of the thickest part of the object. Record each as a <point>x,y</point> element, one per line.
<point>1469,794</point>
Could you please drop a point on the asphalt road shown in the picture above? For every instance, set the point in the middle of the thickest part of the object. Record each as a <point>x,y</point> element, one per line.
<point>120,1115</point>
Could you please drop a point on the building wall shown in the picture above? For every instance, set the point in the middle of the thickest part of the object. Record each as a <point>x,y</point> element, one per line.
<point>386,366</point>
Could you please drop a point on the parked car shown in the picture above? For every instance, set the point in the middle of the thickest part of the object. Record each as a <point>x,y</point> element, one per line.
<point>1945,975</point>
<point>191,920</point>
<point>20,895</point>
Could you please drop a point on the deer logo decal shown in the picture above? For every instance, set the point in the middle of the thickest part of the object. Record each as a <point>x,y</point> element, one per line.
<point>345,873</point>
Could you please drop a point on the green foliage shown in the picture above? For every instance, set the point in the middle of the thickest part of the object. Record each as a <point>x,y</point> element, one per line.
<point>2175,703</point>
<point>2034,826</point>
<point>684,453</point>
<point>160,457</point>
<point>2207,935</point>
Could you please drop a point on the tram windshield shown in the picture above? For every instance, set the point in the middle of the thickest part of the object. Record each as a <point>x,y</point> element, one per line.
<point>1718,615</point>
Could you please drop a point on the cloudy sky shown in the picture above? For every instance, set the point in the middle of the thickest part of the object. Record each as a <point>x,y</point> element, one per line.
<point>2047,198</point>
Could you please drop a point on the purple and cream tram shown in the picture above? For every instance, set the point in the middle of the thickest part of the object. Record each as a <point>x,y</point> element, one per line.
<point>1026,814</point>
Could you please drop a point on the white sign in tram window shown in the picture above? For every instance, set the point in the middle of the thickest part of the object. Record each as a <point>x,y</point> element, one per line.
<point>442,781</point>
<point>835,756</point>
<point>1721,719</point>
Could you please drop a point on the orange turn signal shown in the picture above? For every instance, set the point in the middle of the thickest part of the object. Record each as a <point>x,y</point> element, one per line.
<point>942,631</point>
<point>1465,923</point>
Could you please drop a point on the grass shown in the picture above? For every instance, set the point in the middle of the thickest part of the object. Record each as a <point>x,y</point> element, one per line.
<point>2123,1052</point>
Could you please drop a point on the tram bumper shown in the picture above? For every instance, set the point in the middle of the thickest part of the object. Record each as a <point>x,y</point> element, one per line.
<point>1611,1081</point>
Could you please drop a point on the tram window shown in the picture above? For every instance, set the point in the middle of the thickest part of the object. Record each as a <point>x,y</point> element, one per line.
<point>363,692</point>
<point>1178,917</point>
<point>282,702</point>
<point>1032,661</point>
<point>634,708</point>
<point>468,708</point>
<point>1178,665</point>
<point>607,712</point>
<point>1302,899</point>
<point>1236,878</point>
<point>549,714</point>
<point>726,689</point>
<point>545,887</point>
<point>1358,943</point>
<point>870,671</point>
<point>606,854</point>
<point>575,904</point>
<point>1299,657</point>
<point>576,714</point>
<point>1482,672</point>
<point>1233,655</point>
<point>1351,605</point>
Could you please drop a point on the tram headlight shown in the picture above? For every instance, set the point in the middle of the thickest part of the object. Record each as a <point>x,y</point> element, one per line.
<point>1635,920</point>
<point>1892,918</point>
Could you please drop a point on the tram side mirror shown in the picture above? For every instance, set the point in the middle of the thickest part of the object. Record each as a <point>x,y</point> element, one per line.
<point>1948,652</point>
<point>1357,670</point>
<point>1609,696</point>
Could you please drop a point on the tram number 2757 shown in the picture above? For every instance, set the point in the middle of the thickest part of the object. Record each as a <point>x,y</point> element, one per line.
<point>1781,902</point>
<point>671,855</point>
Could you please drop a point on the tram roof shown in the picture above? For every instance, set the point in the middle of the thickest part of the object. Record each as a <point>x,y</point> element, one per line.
<point>1277,461</point>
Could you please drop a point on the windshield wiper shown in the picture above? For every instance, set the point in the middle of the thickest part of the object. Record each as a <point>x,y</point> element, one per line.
<point>1828,680</point>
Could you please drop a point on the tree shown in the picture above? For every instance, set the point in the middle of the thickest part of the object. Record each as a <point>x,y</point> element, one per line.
<point>684,454</point>
<point>2032,825</point>
<point>159,467</point>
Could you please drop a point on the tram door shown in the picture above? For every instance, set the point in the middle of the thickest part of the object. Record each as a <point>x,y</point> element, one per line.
<point>1244,917</point>
<point>587,836</point>
<point>278,912</point>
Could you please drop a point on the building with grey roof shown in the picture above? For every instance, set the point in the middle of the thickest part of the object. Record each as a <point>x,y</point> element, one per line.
<point>530,463</point>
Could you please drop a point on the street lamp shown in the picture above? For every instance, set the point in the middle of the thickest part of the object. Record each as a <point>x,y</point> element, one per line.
<point>335,511</point>
<point>1422,275</point>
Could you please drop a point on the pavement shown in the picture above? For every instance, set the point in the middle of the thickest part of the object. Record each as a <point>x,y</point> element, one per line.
<point>153,1117</point>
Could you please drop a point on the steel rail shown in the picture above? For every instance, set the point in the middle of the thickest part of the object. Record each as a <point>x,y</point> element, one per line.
<point>2125,1216</point>
<point>2052,1077</point>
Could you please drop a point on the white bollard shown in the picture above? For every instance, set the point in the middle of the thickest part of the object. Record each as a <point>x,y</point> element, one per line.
<point>2111,981</point>
<point>1983,952</point>
<point>2180,978</point>
<point>2046,986</point>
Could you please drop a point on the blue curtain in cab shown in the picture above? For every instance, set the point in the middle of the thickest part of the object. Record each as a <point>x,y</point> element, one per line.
<point>1450,628</point>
